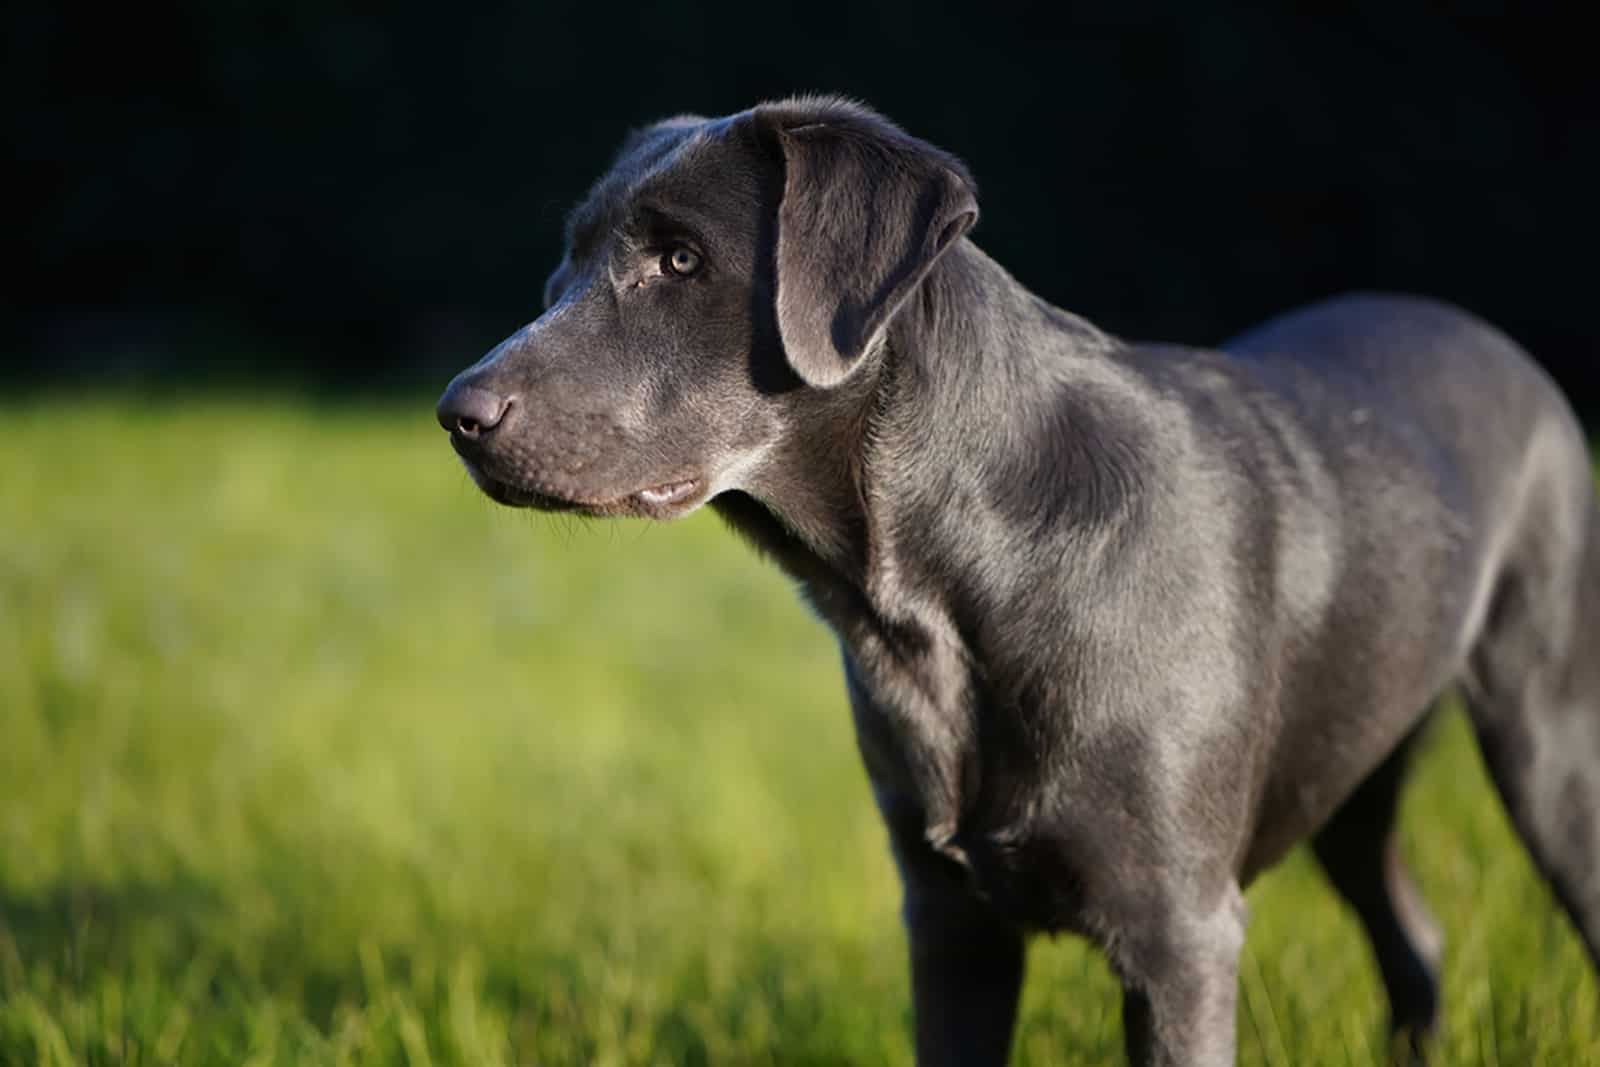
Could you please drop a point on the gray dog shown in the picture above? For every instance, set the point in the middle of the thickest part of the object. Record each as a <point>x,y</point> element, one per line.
<point>1121,622</point>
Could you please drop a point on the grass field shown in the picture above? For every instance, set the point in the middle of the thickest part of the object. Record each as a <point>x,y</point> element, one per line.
<point>308,754</point>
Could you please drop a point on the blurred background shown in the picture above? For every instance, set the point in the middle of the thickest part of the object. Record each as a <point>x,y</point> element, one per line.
<point>313,190</point>
<point>310,755</point>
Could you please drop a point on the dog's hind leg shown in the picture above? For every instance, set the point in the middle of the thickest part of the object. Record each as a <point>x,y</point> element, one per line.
<point>1358,849</point>
<point>1534,694</point>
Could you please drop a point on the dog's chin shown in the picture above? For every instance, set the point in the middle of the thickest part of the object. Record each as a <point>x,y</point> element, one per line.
<point>667,500</point>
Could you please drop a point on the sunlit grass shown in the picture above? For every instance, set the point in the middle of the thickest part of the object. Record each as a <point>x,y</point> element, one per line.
<point>310,755</point>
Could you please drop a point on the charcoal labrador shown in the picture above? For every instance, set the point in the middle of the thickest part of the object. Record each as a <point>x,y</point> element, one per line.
<point>1120,622</point>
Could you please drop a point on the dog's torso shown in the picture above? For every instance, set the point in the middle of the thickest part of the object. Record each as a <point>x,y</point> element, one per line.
<point>1186,602</point>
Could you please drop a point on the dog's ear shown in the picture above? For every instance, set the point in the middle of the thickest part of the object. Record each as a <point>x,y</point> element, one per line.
<point>866,212</point>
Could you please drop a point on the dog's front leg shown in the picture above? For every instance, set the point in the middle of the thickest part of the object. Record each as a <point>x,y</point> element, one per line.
<point>966,959</point>
<point>966,970</point>
<point>1180,986</point>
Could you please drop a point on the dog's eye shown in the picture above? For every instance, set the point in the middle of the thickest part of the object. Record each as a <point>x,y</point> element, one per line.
<point>681,261</point>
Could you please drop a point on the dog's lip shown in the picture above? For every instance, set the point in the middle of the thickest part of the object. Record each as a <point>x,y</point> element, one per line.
<point>661,500</point>
<point>668,492</point>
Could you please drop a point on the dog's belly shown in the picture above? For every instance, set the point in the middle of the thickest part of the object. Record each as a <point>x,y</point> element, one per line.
<point>1426,420</point>
<point>1355,680</point>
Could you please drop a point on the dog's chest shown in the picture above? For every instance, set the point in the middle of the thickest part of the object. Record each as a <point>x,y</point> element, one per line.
<point>1046,844</point>
<point>913,704</point>
<point>939,796</point>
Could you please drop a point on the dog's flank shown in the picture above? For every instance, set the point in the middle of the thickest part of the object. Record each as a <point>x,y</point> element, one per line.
<point>1120,622</point>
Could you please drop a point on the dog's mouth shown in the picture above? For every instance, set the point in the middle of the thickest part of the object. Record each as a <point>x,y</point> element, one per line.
<point>666,500</point>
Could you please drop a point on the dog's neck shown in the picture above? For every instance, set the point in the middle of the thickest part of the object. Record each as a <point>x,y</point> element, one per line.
<point>863,503</point>
<point>872,504</point>
<point>951,396</point>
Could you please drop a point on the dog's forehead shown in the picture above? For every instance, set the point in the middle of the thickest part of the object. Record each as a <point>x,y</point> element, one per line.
<point>682,150</point>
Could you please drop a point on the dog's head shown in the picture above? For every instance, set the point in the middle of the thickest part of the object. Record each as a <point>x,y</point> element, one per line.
<point>719,275</point>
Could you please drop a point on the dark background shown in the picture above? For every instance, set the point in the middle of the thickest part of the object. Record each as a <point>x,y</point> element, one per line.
<point>304,191</point>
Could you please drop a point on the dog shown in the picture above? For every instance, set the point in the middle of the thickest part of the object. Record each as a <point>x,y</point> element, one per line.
<point>1120,622</point>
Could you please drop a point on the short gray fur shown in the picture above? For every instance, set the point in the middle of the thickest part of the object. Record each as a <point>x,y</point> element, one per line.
<point>1120,622</point>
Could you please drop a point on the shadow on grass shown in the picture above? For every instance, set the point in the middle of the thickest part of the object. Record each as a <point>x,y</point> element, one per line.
<point>74,927</point>
<point>188,959</point>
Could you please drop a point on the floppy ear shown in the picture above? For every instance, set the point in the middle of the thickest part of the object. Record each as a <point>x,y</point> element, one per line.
<point>866,212</point>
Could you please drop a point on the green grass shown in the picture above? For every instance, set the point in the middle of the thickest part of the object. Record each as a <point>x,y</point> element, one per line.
<point>308,754</point>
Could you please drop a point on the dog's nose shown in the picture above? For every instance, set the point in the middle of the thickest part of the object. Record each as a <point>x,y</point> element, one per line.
<point>471,411</point>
